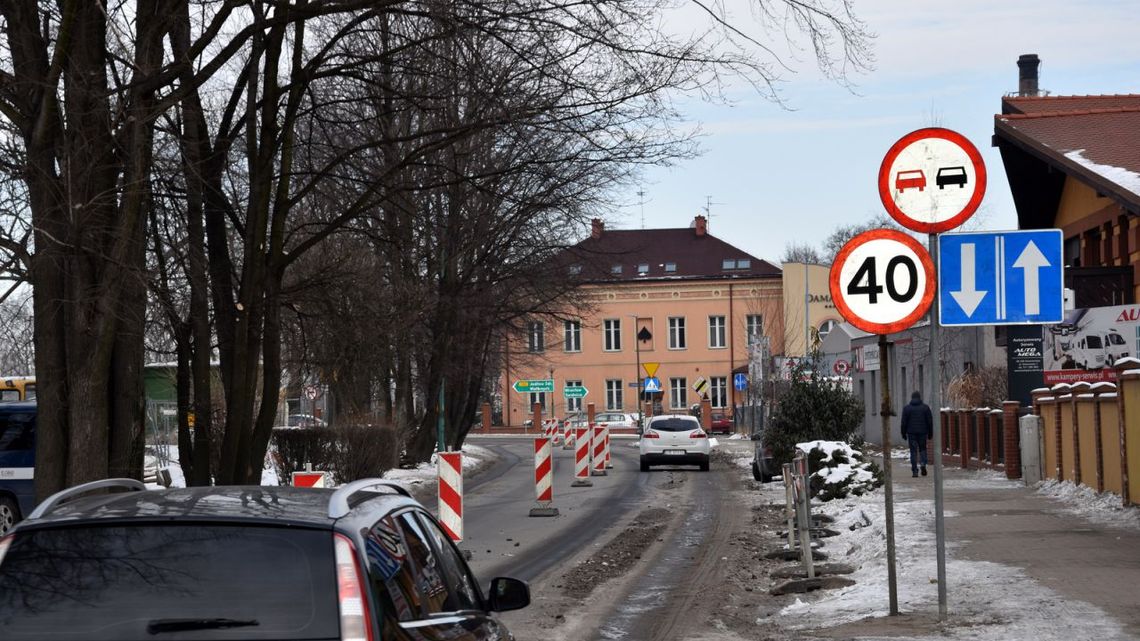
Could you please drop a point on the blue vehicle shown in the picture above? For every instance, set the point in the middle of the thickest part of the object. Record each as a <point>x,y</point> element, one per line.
<point>17,462</point>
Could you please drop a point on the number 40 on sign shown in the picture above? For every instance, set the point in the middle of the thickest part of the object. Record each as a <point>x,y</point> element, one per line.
<point>882,281</point>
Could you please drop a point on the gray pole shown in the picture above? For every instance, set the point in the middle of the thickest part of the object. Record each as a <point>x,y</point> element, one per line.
<point>885,415</point>
<point>936,407</point>
<point>807,313</point>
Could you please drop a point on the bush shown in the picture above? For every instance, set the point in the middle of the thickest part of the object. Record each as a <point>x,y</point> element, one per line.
<point>812,409</point>
<point>348,451</point>
<point>837,470</point>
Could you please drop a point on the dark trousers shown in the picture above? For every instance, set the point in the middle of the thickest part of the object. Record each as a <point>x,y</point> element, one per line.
<point>917,444</point>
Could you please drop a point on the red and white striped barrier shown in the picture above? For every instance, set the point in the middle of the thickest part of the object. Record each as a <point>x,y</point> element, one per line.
<point>451,494</point>
<point>606,441</point>
<point>567,436</point>
<point>582,458</point>
<point>543,479</point>
<point>550,429</point>
<point>598,453</point>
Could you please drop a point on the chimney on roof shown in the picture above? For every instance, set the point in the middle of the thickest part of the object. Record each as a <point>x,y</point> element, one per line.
<point>1027,65</point>
<point>700,226</point>
<point>597,228</point>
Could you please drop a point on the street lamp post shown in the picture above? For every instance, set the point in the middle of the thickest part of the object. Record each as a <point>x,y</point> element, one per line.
<point>637,372</point>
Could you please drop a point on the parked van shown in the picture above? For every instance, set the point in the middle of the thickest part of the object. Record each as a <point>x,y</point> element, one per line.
<point>17,462</point>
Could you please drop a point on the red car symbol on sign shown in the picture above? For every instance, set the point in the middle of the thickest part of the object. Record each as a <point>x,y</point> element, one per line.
<point>909,178</point>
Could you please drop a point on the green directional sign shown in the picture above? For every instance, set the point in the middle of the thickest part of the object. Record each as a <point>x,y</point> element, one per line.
<point>575,392</point>
<point>535,385</point>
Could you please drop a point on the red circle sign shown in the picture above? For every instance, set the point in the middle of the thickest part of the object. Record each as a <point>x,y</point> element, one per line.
<point>841,367</point>
<point>882,281</point>
<point>932,180</point>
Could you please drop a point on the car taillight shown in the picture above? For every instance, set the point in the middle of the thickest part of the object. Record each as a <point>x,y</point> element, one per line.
<point>4,543</point>
<point>697,434</point>
<point>650,434</point>
<point>355,624</point>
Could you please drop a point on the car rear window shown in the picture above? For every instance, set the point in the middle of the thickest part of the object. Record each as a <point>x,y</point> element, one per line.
<point>118,582</point>
<point>674,425</point>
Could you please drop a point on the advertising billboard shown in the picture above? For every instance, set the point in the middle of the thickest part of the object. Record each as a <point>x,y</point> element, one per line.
<point>1088,342</point>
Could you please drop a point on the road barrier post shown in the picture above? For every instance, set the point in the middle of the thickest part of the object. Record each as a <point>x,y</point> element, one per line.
<point>543,479</point>
<point>598,450</point>
<point>790,512</point>
<point>606,445</point>
<point>450,466</point>
<point>567,436</point>
<point>803,489</point>
<point>582,458</point>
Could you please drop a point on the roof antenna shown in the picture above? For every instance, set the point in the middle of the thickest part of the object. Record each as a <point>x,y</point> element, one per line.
<point>641,199</point>
<point>708,211</point>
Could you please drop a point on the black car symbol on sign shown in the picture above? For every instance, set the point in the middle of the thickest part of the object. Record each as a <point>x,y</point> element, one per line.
<point>951,176</point>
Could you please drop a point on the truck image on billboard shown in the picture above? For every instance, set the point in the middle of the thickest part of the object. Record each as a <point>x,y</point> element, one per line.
<point>1085,346</point>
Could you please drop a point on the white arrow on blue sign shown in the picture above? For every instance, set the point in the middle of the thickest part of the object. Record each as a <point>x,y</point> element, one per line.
<point>740,382</point>
<point>1001,278</point>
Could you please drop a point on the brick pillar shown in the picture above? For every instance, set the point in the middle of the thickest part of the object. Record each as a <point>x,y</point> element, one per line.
<point>945,418</point>
<point>1099,447</point>
<point>590,411</point>
<point>965,437</point>
<point>536,416</point>
<point>1076,435</point>
<point>931,450</point>
<point>706,414</point>
<point>1037,395</point>
<point>1012,435</point>
<point>486,417</point>
<point>1057,436</point>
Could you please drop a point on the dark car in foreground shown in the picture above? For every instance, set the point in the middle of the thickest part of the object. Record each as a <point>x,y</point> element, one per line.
<point>364,562</point>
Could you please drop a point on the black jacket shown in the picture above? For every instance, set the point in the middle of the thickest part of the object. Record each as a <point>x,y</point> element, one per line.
<point>917,419</point>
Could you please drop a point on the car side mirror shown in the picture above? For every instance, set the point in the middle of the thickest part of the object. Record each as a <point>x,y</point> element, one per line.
<point>508,594</point>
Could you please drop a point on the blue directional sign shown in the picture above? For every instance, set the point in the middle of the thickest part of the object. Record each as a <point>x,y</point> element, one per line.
<point>652,384</point>
<point>740,382</point>
<point>1000,278</point>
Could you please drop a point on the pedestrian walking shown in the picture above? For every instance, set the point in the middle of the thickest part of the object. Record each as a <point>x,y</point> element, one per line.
<point>917,426</point>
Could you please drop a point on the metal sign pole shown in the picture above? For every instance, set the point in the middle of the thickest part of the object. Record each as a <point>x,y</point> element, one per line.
<point>936,409</point>
<point>885,415</point>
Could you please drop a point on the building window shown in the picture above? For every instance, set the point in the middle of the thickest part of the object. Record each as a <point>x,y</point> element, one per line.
<point>825,328</point>
<point>611,328</point>
<point>540,398</point>
<point>535,339</point>
<point>616,269</point>
<point>732,263</point>
<point>613,394</point>
<point>678,393</point>
<point>643,268</point>
<point>718,391</point>
<point>573,404</point>
<point>676,332</point>
<point>728,263</point>
<point>716,331</point>
<point>572,336</point>
<point>670,267</point>
<point>744,263</point>
<point>754,328</point>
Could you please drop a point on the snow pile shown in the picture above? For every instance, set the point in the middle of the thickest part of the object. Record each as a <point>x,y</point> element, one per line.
<point>473,456</point>
<point>839,470</point>
<point>1082,500</point>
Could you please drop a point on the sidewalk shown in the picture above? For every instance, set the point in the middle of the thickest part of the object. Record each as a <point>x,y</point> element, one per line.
<point>1020,565</point>
<point>992,519</point>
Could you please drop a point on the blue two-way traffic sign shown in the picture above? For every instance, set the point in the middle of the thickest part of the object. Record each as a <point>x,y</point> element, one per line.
<point>1000,278</point>
<point>740,382</point>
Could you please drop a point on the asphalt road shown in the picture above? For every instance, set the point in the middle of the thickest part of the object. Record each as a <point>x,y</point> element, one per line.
<point>505,541</point>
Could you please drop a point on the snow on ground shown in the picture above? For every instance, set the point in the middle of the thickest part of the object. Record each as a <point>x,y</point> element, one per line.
<point>987,601</point>
<point>1083,501</point>
<point>473,456</point>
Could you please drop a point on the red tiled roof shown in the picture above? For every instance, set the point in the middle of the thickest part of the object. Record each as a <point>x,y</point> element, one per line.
<point>694,256</point>
<point>1057,104</point>
<point>1094,137</point>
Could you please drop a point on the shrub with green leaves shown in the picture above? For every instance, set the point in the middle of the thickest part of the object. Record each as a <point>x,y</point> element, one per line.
<point>813,408</point>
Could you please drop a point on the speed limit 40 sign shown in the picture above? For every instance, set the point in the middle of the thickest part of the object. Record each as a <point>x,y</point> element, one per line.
<point>882,281</point>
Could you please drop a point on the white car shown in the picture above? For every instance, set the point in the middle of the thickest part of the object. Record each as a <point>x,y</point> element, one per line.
<point>618,420</point>
<point>674,439</point>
